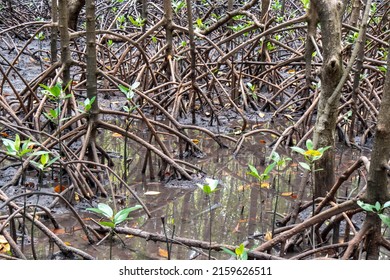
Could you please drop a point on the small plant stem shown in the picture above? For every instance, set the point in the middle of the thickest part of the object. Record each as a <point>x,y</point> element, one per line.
<point>166,237</point>
<point>40,181</point>
<point>313,205</point>
<point>210,215</point>
<point>276,202</point>
<point>111,241</point>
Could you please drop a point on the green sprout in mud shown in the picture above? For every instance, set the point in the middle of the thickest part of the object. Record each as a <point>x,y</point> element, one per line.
<point>18,148</point>
<point>137,22</point>
<point>311,155</point>
<point>208,188</point>
<point>129,93</point>
<point>44,161</point>
<point>87,104</point>
<point>263,176</point>
<point>56,92</point>
<point>240,253</point>
<point>252,90</point>
<point>178,5</point>
<point>114,219</point>
<point>378,209</point>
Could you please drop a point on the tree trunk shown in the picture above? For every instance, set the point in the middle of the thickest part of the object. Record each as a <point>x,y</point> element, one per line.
<point>75,7</point>
<point>66,59</point>
<point>54,31</point>
<point>377,184</point>
<point>331,73</point>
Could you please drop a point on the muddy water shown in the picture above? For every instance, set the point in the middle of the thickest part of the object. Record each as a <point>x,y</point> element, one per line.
<point>241,208</point>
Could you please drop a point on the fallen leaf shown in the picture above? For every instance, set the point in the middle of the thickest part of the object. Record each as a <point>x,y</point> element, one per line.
<point>291,71</point>
<point>289,194</point>
<point>58,231</point>
<point>67,243</point>
<point>59,188</point>
<point>152,193</point>
<point>117,135</point>
<point>4,134</point>
<point>261,141</point>
<point>195,141</point>
<point>243,187</point>
<point>265,185</point>
<point>4,245</point>
<point>162,253</point>
<point>129,236</point>
<point>261,115</point>
<point>268,236</point>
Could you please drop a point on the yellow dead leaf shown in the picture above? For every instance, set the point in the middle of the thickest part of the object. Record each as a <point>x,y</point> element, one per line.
<point>129,236</point>
<point>265,185</point>
<point>195,141</point>
<point>243,187</point>
<point>67,243</point>
<point>4,248</point>
<point>162,253</point>
<point>268,236</point>
<point>76,197</point>
<point>291,71</point>
<point>117,135</point>
<point>289,194</point>
<point>286,193</point>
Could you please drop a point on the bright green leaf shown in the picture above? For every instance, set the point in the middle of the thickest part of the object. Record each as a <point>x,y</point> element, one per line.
<point>107,224</point>
<point>298,150</point>
<point>305,165</point>
<point>106,210</point>
<point>385,219</point>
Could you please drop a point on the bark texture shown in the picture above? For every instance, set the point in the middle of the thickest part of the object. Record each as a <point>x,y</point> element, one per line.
<point>332,70</point>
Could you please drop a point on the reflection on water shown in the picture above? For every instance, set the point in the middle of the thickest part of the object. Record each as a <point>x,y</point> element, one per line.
<point>240,207</point>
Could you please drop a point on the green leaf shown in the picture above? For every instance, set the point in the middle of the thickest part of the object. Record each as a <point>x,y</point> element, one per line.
<point>377,206</point>
<point>230,252</point>
<point>212,183</point>
<point>123,89</point>
<point>323,149</point>
<point>253,172</point>
<point>240,250</point>
<point>52,161</point>
<point>135,85</point>
<point>95,210</point>
<point>387,204</point>
<point>385,219</point>
<point>366,206</point>
<point>309,144</point>
<point>122,215</point>
<point>269,168</point>
<point>107,224</point>
<point>17,142</point>
<point>207,189</point>
<point>44,158</point>
<point>298,150</point>
<point>244,256</point>
<point>305,165</point>
<point>106,210</point>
